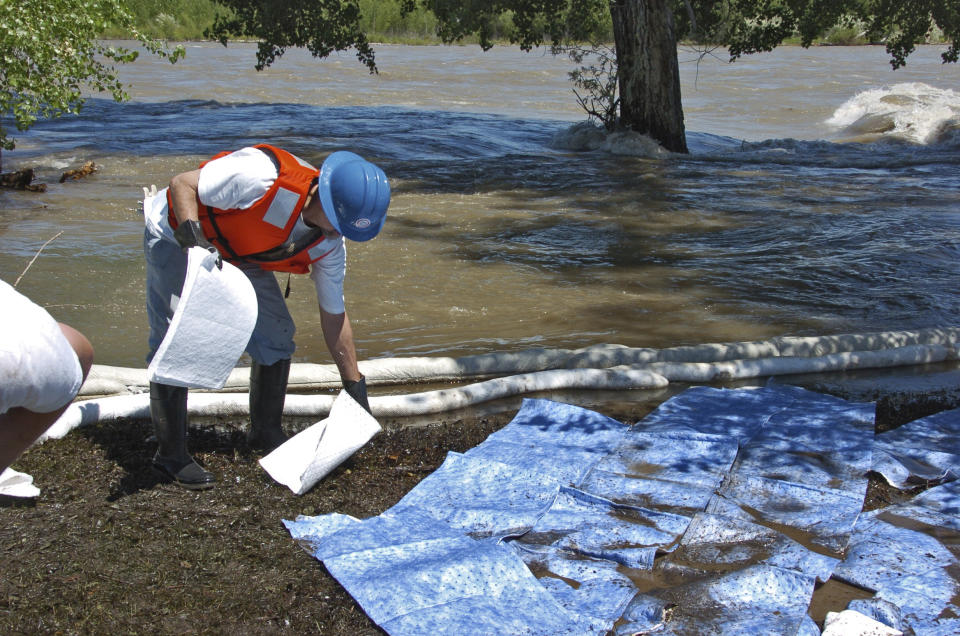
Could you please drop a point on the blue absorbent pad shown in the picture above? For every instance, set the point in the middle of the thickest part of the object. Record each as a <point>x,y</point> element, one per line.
<point>671,469</point>
<point>718,512</point>
<point>923,450</point>
<point>908,555</point>
<point>483,497</point>
<point>758,599</point>
<point>713,541</point>
<point>581,524</point>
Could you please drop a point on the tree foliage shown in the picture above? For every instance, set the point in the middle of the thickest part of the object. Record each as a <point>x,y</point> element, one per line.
<point>49,54</point>
<point>533,22</point>
<point>595,80</point>
<point>752,26</point>
<point>385,20</point>
<point>907,20</point>
<point>320,26</point>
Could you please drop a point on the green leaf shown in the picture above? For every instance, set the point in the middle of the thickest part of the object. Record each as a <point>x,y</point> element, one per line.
<point>49,51</point>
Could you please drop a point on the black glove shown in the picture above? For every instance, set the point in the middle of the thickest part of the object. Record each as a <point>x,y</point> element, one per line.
<point>190,234</point>
<point>358,391</point>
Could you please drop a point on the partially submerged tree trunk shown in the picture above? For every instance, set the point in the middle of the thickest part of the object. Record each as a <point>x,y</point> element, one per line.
<point>78,173</point>
<point>21,180</point>
<point>646,41</point>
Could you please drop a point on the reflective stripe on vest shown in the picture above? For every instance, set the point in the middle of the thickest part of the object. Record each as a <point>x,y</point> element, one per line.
<point>283,206</point>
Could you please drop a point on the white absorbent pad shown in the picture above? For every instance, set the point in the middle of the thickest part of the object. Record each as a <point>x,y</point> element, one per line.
<point>16,484</point>
<point>211,325</point>
<point>851,622</point>
<point>307,457</point>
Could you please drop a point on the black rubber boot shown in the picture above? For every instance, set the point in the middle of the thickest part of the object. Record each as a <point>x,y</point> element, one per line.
<point>168,409</point>
<point>268,390</point>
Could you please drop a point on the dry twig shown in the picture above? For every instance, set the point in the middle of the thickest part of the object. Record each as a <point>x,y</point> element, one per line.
<point>17,282</point>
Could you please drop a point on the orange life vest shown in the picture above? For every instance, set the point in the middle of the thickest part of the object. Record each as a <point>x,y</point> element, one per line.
<point>261,234</point>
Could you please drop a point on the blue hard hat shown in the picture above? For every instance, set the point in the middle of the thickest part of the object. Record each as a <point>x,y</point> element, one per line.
<point>355,195</point>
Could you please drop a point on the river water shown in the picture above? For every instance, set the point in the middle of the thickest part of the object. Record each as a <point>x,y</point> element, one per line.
<point>821,195</point>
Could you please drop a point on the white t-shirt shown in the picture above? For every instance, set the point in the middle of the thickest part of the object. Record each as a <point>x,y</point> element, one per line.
<point>237,181</point>
<point>39,370</point>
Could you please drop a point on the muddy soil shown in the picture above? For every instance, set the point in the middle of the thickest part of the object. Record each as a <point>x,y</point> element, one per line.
<point>110,548</point>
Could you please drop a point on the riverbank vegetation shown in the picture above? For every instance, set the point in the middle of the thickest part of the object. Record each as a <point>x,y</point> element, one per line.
<point>383,21</point>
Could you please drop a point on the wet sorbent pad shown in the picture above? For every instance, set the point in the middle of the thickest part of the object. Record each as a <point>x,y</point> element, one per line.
<point>216,314</point>
<point>717,513</point>
<point>922,450</point>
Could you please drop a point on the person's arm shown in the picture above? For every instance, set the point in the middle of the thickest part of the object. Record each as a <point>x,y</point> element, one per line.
<point>183,194</point>
<point>339,338</point>
<point>186,209</point>
<point>328,275</point>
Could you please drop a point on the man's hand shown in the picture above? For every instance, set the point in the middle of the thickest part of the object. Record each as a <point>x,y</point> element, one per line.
<point>190,234</point>
<point>358,391</point>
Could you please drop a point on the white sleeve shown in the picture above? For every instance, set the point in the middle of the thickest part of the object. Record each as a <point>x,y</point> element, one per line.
<point>236,180</point>
<point>327,275</point>
<point>39,370</point>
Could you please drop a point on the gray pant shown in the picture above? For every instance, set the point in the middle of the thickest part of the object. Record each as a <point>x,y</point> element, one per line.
<point>272,338</point>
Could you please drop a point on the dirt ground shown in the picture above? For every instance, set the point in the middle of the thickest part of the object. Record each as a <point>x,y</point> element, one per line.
<point>107,548</point>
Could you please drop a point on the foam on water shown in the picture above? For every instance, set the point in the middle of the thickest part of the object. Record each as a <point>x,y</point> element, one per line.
<point>586,136</point>
<point>911,111</point>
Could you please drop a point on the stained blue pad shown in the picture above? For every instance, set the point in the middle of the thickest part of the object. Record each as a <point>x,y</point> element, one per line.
<point>669,469</point>
<point>452,578</point>
<point>817,441</point>
<point>758,599</point>
<point>346,535</point>
<point>546,423</point>
<point>740,414</point>
<point>944,499</point>
<point>755,579</point>
<point>805,462</point>
<point>804,468</point>
<point>927,449</point>
<point>909,556</point>
<point>581,524</point>
<point>826,515</point>
<point>419,568</point>
<point>583,586</point>
<point>717,543</point>
<point>879,610</point>
<point>442,574</point>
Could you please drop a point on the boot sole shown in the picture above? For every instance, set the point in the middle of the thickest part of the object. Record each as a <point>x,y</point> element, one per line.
<point>165,474</point>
